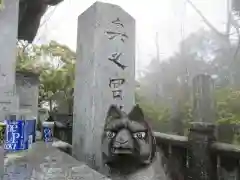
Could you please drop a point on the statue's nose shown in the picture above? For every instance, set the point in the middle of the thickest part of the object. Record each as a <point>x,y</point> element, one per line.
<point>122,140</point>
<point>122,137</point>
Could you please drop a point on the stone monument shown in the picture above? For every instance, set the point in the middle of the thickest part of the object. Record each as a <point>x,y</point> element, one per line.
<point>8,40</point>
<point>27,88</point>
<point>105,75</point>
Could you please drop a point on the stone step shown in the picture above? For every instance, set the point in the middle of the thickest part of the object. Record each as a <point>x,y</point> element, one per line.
<point>48,163</point>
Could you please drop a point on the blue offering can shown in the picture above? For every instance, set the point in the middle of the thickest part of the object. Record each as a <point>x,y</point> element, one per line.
<point>30,132</point>
<point>47,131</point>
<point>14,139</point>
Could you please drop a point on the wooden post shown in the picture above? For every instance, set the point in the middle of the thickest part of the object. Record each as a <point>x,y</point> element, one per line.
<point>202,130</point>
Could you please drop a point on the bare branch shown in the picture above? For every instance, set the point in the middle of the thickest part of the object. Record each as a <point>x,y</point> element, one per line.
<point>206,21</point>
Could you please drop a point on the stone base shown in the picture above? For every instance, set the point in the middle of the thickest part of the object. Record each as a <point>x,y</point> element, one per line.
<point>48,163</point>
<point>200,139</point>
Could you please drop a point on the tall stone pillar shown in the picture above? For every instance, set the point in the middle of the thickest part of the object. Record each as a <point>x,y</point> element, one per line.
<point>8,42</point>
<point>203,99</point>
<point>105,71</point>
<point>202,130</point>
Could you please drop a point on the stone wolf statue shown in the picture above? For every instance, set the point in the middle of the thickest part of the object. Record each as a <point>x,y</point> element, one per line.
<point>129,147</point>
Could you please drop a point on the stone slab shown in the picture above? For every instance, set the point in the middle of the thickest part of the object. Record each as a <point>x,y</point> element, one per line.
<point>105,75</point>
<point>27,89</point>
<point>44,162</point>
<point>8,40</point>
<point>8,52</point>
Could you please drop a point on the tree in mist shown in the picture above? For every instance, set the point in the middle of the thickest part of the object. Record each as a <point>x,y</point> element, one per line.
<point>201,52</point>
<point>55,63</point>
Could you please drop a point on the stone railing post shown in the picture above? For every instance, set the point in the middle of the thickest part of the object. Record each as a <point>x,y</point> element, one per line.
<point>202,130</point>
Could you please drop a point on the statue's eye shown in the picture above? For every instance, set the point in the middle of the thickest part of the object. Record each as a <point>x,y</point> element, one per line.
<point>110,134</point>
<point>139,135</point>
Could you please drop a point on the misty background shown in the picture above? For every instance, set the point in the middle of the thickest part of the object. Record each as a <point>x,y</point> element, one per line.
<point>175,41</point>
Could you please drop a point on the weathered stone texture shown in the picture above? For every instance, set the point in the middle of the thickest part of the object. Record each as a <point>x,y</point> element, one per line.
<point>27,89</point>
<point>48,163</point>
<point>203,99</point>
<point>105,32</point>
<point>8,40</point>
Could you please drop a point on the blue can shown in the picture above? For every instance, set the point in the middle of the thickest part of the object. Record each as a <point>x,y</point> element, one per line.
<point>47,131</point>
<point>14,140</point>
<point>47,134</point>
<point>30,132</point>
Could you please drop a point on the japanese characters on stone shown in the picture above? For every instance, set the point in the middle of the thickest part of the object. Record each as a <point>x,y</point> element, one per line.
<point>117,34</point>
<point>115,58</point>
<point>115,83</point>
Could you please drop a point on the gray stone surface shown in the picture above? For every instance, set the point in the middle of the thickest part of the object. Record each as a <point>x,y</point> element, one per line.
<point>105,32</point>
<point>200,138</point>
<point>203,99</point>
<point>27,90</point>
<point>44,162</point>
<point>42,115</point>
<point>8,39</point>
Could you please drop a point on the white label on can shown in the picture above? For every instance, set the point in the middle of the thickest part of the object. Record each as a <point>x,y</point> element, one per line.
<point>30,141</point>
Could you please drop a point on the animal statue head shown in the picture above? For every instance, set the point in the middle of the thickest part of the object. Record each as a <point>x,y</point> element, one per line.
<point>127,141</point>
